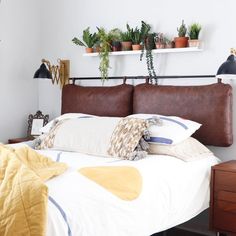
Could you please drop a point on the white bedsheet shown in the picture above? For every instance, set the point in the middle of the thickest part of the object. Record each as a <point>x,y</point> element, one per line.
<point>173,192</point>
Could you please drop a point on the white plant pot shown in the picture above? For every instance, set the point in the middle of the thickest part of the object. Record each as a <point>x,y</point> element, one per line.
<point>194,43</point>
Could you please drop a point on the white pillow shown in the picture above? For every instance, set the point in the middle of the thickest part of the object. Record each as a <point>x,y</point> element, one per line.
<point>90,136</point>
<point>102,136</point>
<point>172,129</point>
<point>48,126</point>
<point>188,150</point>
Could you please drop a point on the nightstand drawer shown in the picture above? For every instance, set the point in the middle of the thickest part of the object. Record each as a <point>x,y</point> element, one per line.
<point>226,206</point>
<point>225,181</point>
<point>225,196</point>
<point>224,218</point>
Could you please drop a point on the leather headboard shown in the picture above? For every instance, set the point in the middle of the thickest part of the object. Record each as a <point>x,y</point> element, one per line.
<point>101,101</point>
<point>210,105</point>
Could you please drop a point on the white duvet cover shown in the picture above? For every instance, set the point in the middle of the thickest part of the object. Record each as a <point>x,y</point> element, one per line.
<point>173,192</point>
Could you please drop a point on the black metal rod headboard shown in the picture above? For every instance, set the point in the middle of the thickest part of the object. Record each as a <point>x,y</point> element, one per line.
<point>73,79</point>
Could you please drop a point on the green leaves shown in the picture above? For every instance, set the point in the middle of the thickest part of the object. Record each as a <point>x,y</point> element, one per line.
<point>182,30</point>
<point>194,30</point>
<point>145,28</point>
<point>136,36</point>
<point>127,35</point>
<point>88,39</point>
<point>78,42</point>
<point>104,65</point>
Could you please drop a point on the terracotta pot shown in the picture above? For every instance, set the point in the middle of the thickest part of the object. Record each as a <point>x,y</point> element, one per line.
<point>160,45</point>
<point>89,50</point>
<point>181,42</point>
<point>136,47</point>
<point>126,46</point>
<point>193,43</point>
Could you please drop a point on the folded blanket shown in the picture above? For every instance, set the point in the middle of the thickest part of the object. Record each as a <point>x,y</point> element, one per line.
<point>127,139</point>
<point>23,195</point>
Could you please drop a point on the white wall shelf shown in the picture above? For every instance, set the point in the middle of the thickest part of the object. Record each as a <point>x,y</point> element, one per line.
<point>155,51</point>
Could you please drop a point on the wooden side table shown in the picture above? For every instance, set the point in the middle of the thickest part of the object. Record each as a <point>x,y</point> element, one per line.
<point>223,198</point>
<point>19,140</point>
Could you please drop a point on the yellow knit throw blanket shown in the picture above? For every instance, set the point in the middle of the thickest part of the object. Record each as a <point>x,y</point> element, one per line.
<point>23,195</point>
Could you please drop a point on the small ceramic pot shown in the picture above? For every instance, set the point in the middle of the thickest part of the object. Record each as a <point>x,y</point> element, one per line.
<point>181,42</point>
<point>136,47</point>
<point>126,46</point>
<point>89,50</point>
<point>194,43</point>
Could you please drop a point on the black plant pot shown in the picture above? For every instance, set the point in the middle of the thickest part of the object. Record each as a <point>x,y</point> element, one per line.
<point>150,42</point>
<point>116,46</point>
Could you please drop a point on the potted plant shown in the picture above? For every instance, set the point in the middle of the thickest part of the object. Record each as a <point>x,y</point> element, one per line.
<point>182,40</point>
<point>115,36</point>
<point>89,40</point>
<point>193,32</point>
<point>126,39</point>
<point>136,39</point>
<point>147,42</point>
<point>159,40</point>
<point>168,43</point>
<point>105,48</point>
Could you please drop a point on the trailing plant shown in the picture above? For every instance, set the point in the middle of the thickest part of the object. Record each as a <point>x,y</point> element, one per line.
<point>105,47</point>
<point>194,30</point>
<point>89,40</point>
<point>136,36</point>
<point>145,28</point>
<point>147,40</point>
<point>182,30</point>
<point>115,34</point>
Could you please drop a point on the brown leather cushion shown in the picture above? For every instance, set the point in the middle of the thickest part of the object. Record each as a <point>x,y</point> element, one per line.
<point>101,101</point>
<point>210,105</point>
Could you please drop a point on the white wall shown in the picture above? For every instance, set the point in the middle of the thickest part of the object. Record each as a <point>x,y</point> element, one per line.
<point>19,52</point>
<point>70,17</point>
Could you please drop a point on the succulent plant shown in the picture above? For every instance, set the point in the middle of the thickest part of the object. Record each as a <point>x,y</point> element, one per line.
<point>136,36</point>
<point>194,30</point>
<point>182,30</point>
<point>159,38</point>
<point>127,35</point>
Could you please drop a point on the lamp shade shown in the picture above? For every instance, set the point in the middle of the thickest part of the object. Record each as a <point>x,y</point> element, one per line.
<point>42,72</point>
<point>228,67</point>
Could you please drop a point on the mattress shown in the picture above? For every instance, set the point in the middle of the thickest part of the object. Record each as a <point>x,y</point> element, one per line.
<point>173,192</point>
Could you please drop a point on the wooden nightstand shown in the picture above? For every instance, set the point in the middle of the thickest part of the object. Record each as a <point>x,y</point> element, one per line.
<point>223,198</point>
<point>19,140</point>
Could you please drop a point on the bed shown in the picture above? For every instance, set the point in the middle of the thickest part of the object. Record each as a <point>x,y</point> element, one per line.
<point>173,191</point>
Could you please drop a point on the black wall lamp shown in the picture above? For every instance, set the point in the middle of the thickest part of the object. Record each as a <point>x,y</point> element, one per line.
<point>228,68</point>
<point>59,74</point>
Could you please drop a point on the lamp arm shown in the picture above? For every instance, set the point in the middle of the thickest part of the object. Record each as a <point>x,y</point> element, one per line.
<point>60,73</point>
<point>233,51</point>
<point>48,64</point>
